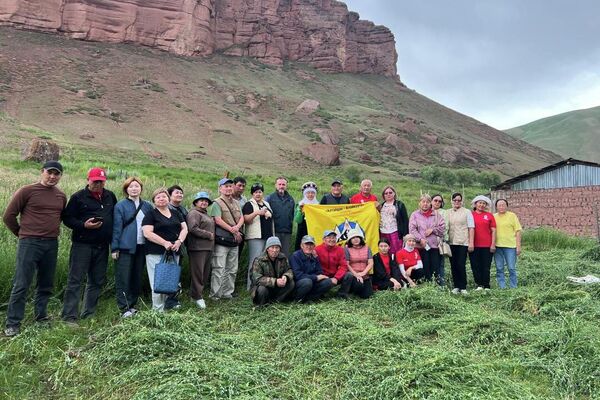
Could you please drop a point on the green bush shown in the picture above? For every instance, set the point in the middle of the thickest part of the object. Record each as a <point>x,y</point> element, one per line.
<point>352,173</point>
<point>465,176</point>
<point>488,179</point>
<point>431,174</point>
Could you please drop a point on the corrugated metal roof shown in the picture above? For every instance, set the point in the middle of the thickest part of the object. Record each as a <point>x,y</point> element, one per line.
<point>566,173</point>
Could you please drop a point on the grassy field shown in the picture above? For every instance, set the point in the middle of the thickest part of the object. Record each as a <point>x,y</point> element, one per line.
<point>540,341</point>
<point>572,134</point>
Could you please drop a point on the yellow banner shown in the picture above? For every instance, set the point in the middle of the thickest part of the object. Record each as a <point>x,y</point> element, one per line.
<point>344,219</point>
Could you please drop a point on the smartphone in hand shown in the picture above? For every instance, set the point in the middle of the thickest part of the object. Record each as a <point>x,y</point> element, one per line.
<point>97,219</point>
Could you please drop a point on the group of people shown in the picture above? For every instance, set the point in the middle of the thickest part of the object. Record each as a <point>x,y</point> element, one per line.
<point>138,233</point>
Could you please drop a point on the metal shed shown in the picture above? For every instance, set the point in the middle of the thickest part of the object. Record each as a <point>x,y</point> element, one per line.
<point>564,174</point>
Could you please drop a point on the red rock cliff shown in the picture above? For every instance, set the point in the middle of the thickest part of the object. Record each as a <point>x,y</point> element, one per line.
<point>322,33</point>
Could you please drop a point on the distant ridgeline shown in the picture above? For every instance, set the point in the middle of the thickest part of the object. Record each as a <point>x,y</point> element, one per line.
<point>323,34</point>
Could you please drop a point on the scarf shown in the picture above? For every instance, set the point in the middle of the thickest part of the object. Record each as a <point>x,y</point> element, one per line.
<point>97,195</point>
<point>408,248</point>
<point>428,212</point>
<point>307,201</point>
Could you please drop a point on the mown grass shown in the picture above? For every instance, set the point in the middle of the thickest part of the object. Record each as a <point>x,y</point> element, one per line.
<point>539,341</point>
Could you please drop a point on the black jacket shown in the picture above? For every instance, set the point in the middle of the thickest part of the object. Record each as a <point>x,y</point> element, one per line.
<point>381,280</point>
<point>401,218</point>
<point>329,199</point>
<point>82,206</point>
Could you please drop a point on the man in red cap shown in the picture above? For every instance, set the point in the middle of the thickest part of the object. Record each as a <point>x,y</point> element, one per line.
<point>89,213</point>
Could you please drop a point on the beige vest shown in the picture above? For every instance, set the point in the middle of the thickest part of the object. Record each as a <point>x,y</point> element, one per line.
<point>458,232</point>
<point>253,228</point>
<point>230,210</point>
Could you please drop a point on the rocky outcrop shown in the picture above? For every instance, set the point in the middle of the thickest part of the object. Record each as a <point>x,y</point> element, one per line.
<point>323,33</point>
<point>41,150</point>
<point>324,154</point>
<point>308,106</point>
<point>327,136</point>
<point>400,144</point>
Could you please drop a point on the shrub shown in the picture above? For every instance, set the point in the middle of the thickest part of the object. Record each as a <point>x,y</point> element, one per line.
<point>488,179</point>
<point>447,177</point>
<point>465,176</point>
<point>431,174</point>
<point>353,174</point>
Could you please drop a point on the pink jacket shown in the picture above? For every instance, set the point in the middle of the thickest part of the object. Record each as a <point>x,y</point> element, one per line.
<point>419,223</point>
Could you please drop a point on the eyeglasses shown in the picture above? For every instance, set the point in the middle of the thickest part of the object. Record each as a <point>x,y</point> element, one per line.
<point>456,200</point>
<point>436,201</point>
<point>389,193</point>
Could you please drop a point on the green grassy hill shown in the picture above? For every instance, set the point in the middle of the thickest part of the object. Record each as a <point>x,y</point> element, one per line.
<point>572,134</point>
<point>224,112</point>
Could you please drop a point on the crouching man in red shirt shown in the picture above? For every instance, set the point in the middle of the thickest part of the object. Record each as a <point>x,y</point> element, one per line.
<point>334,264</point>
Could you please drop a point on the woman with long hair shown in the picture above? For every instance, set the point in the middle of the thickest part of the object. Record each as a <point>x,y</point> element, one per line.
<point>393,224</point>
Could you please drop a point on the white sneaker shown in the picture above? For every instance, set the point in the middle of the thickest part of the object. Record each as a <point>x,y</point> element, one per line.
<point>127,314</point>
<point>464,292</point>
<point>479,288</point>
<point>201,304</point>
<point>455,291</point>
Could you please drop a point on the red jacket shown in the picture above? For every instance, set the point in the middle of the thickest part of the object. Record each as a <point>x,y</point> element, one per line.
<point>333,261</point>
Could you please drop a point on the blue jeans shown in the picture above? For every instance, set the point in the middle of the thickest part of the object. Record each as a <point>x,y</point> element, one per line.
<point>506,256</point>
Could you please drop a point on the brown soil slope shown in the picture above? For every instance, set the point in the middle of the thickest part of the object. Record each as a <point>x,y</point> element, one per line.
<point>235,111</point>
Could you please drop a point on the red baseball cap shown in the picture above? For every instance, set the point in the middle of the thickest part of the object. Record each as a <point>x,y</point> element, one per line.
<point>96,174</point>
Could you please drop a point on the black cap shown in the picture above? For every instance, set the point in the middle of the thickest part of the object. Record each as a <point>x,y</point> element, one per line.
<point>48,165</point>
<point>255,187</point>
<point>336,182</point>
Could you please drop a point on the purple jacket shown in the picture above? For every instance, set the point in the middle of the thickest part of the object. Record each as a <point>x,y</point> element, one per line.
<point>419,223</point>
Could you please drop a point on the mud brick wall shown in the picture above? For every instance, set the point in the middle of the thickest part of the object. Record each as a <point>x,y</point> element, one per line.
<point>571,210</point>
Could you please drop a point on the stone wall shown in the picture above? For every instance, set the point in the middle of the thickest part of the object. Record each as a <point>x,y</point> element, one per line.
<point>572,210</point>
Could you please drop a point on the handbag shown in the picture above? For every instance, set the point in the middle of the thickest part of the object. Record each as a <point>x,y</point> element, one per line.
<point>224,238</point>
<point>166,274</point>
<point>445,249</point>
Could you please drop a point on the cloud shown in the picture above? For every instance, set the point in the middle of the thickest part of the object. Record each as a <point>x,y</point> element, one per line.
<point>506,63</point>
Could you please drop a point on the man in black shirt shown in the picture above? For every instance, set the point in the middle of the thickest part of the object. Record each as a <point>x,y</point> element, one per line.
<point>336,196</point>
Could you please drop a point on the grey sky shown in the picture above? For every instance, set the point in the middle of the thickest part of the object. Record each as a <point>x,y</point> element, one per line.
<point>503,62</point>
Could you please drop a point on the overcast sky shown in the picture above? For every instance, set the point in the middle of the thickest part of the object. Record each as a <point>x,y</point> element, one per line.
<point>503,62</point>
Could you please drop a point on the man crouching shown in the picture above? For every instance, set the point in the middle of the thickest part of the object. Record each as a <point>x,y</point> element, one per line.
<point>272,277</point>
